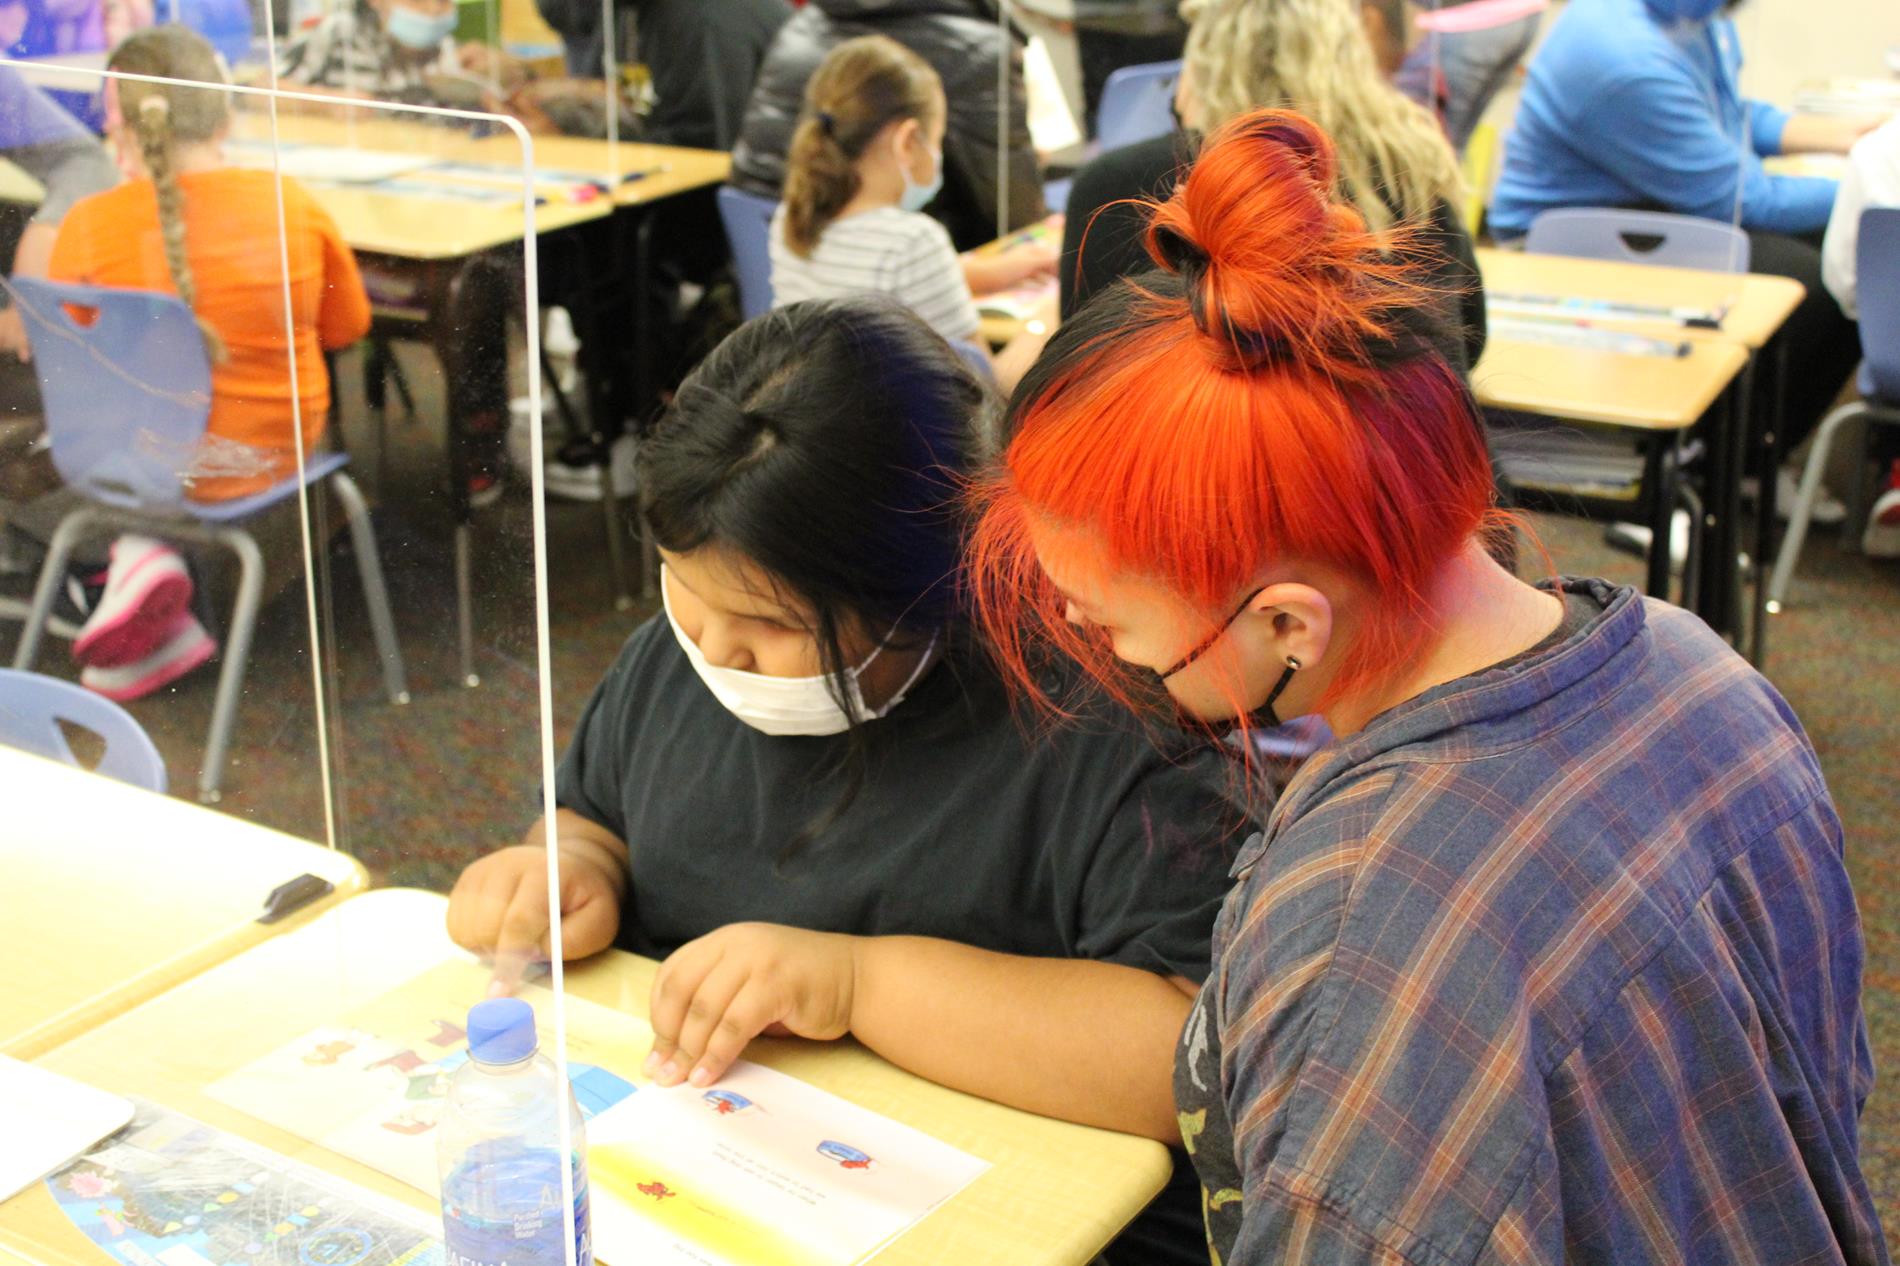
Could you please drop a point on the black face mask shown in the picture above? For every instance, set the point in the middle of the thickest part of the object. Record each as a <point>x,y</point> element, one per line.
<point>1260,718</point>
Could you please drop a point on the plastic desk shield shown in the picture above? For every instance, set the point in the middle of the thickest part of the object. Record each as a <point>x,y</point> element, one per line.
<point>273,480</point>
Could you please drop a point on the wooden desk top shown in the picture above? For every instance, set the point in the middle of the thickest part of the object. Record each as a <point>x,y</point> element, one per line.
<point>1055,1193</point>
<point>110,895</point>
<point>1650,393</point>
<point>410,226</point>
<point>1757,304</point>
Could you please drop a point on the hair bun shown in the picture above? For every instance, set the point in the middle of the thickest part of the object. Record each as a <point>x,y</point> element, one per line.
<point>1273,264</point>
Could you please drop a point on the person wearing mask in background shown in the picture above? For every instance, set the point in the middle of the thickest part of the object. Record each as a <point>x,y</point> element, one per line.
<point>1637,103</point>
<point>1872,179</point>
<point>805,768</point>
<point>964,43</point>
<point>1457,73</point>
<point>866,158</point>
<point>380,50</point>
<point>1551,956</point>
<point>1314,56</point>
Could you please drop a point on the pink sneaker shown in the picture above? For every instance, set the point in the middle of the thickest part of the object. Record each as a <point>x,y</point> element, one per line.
<point>146,586</point>
<point>182,646</point>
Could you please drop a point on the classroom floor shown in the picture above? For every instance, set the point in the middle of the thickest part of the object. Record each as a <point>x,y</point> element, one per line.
<point>428,787</point>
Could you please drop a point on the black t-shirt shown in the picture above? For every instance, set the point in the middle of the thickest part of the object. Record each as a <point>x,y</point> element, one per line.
<point>1084,842</point>
<point>969,826</point>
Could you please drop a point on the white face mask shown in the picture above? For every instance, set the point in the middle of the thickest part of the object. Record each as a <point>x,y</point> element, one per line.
<point>785,706</point>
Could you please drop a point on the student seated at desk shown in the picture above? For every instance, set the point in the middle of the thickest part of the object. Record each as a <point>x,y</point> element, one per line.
<point>805,789</point>
<point>187,223</point>
<point>866,158</point>
<point>1637,103</point>
<point>385,50</point>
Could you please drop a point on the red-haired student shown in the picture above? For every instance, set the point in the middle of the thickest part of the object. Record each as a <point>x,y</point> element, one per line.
<point>1551,956</point>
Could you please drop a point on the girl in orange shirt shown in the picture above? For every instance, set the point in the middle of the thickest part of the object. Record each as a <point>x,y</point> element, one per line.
<point>186,223</point>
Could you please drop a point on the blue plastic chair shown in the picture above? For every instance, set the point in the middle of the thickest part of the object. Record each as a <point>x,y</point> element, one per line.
<point>1640,237</point>
<point>127,397</point>
<point>1137,103</point>
<point>1877,268</point>
<point>32,707</point>
<point>748,221</point>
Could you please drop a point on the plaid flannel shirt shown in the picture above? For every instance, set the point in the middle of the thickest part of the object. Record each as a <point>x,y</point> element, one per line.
<point>1555,963</point>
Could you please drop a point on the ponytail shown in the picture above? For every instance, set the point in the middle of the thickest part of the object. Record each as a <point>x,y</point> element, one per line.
<point>862,87</point>
<point>162,115</point>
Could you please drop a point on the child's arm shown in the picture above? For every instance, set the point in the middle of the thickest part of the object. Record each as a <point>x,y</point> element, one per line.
<point>987,273</point>
<point>343,315</point>
<point>500,906</point>
<point>1084,1041</point>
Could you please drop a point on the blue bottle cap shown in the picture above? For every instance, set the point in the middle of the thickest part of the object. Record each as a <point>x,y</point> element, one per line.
<point>501,1031</point>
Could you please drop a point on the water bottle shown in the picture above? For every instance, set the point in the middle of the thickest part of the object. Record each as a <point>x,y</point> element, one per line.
<point>499,1148</point>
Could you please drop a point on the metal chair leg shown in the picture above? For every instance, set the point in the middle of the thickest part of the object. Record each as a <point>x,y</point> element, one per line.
<point>237,654</point>
<point>369,567</point>
<point>464,606</point>
<point>1803,508</point>
<point>52,571</point>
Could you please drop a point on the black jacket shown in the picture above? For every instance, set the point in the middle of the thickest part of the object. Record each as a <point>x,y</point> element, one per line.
<point>962,40</point>
<point>702,55</point>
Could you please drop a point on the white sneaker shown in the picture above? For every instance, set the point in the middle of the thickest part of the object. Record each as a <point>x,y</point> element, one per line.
<point>185,646</point>
<point>1828,510</point>
<point>1635,538</point>
<point>1882,537</point>
<point>146,586</point>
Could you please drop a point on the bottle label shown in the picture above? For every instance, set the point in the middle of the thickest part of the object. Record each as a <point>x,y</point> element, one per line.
<point>509,1213</point>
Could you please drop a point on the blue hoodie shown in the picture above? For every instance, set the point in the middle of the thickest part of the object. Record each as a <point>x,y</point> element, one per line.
<point>1633,103</point>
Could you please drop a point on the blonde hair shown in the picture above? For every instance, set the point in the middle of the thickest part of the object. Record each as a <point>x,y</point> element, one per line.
<point>162,115</point>
<point>863,86</point>
<point>1313,56</point>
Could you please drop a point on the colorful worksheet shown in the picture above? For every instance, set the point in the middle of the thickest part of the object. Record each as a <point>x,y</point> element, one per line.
<point>760,1170</point>
<point>170,1191</point>
<point>371,1086</point>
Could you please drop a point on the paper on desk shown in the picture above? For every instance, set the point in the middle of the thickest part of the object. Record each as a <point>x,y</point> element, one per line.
<point>49,1120</point>
<point>1020,301</point>
<point>327,164</point>
<point>172,1191</point>
<point>761,1170</point>
<point>1052,124</point>
<point>371,1086</point>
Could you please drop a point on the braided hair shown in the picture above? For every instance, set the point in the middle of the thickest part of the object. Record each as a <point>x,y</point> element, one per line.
<point>163,115</point>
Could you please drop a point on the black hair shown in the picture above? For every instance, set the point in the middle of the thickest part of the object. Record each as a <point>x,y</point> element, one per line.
<point>828,443</point>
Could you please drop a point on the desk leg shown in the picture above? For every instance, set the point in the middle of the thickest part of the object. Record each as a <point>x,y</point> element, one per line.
<point>1715,599</point>
<point>648,393</point>
<point>1766,509</point>
<point>469,331</point>
<point>1659,476</point>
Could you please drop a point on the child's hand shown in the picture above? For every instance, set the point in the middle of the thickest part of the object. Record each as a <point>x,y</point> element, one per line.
<point>715,994</point>
<point>500,908</point>
<point>1031,259</point>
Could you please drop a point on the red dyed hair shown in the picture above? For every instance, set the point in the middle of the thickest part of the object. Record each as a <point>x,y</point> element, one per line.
<point>1274,394</point>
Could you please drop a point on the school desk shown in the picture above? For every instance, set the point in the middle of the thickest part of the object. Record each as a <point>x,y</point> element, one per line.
<point>110,895</point>
<point>1753,308</point>
<point>1054,1195</point>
